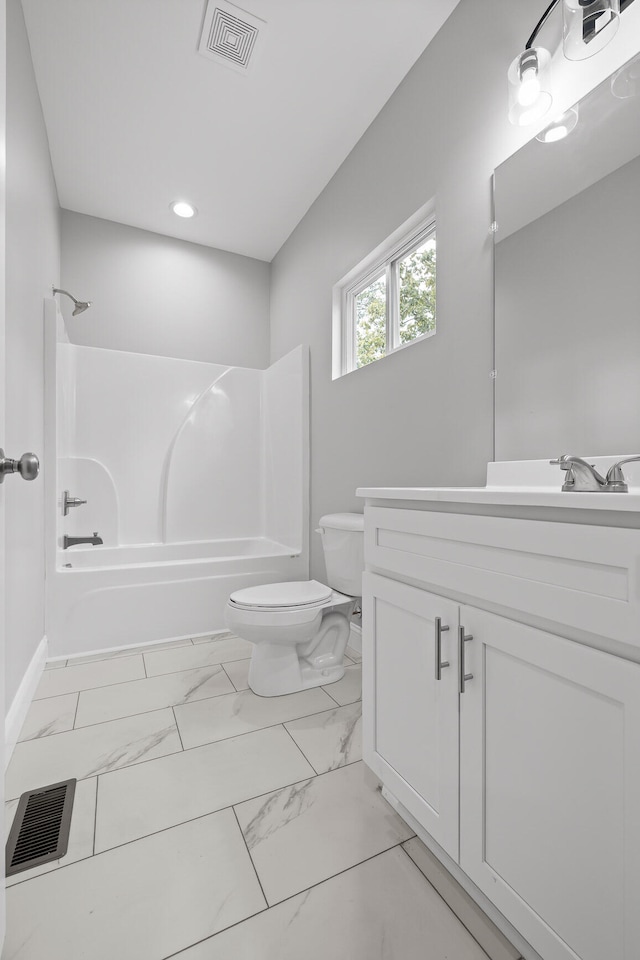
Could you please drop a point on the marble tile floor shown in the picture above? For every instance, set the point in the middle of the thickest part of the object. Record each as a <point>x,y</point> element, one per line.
<point>210,823</point>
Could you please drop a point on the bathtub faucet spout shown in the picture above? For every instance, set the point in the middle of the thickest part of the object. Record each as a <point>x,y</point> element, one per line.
<point>72,541</point>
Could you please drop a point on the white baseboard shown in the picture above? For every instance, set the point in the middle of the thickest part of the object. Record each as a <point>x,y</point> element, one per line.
<point>355,637</point>
<point>134,646</point>
<point>22,701</point>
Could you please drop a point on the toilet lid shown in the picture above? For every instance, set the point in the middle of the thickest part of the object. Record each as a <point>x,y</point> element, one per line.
<point>294,593</point>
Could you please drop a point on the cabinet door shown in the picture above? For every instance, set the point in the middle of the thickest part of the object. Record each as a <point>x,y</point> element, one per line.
<point>411,716</point>
<point>550,788</point>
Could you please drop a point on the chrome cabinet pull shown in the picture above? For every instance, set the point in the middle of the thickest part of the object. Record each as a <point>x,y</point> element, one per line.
<point>439,664</point>
<point>462,639</point>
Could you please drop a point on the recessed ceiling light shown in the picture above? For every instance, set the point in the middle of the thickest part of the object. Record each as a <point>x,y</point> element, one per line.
<point>183,209</point>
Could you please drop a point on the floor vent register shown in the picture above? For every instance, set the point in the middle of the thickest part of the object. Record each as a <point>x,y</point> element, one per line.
<point>40,830</point>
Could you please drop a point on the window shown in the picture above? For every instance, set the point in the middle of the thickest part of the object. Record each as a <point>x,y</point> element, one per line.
<point>389,300</point>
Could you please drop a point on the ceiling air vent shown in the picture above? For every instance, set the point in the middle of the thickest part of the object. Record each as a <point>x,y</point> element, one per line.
<point>230,35</point>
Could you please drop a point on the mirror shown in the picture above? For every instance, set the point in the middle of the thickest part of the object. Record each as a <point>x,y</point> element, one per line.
<point>567,287</point>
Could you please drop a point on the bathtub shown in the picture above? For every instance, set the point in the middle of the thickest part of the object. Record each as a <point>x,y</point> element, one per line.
<point>106,597</point>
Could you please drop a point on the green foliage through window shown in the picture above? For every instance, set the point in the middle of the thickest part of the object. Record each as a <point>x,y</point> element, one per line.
<point>371,322</point>
<point>414,313</point>
<point>417,275</point>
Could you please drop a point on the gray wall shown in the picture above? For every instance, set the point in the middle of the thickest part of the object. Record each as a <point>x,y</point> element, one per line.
<point>32,264</point>
<point>159,295</point>
<point>424,415</point>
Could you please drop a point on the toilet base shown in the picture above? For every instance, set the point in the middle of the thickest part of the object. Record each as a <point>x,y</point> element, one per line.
<point>277,669</point>
<point>288,677</point>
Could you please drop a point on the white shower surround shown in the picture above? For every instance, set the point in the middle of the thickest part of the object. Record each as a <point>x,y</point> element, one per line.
<point>196,477</point>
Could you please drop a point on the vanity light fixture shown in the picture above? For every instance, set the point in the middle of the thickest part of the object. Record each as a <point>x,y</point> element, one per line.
<point>561,127</point>
<point>183,209</point>
<point>530,79</point>
<point>588,25</point>
<point>530,86</point>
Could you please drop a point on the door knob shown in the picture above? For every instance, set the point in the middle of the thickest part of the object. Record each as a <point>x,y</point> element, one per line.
<point>28,466</point>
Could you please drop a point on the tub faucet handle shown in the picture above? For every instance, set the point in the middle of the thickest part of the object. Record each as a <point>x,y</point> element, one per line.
<point>68,502</point>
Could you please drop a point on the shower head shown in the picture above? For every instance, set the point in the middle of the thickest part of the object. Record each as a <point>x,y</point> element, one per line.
<point>79,305</point>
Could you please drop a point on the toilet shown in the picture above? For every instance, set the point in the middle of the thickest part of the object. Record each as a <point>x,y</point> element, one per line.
<point>300,629</point>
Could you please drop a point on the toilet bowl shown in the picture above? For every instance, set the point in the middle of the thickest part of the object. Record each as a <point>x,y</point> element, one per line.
<point>300,629</point>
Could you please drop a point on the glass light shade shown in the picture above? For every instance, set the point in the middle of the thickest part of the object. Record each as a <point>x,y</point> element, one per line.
<point>559,128</point>
<point>529,86</point>
<point>625,82</point>
<point>589,25</point>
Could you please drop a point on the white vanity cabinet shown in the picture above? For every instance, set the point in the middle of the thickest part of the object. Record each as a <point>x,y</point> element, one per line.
<point>535,766</point>
<point>411,729</point>
<point>550,787</point>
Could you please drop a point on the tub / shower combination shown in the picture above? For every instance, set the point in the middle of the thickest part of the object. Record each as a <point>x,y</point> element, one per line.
<point>123,596</point>
<point>196,479</point>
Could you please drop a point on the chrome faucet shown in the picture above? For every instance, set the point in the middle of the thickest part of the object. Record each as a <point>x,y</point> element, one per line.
<point>582,477</point>
<point>72,541</point>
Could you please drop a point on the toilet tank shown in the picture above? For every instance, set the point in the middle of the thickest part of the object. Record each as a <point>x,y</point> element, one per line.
<point>343,545</point>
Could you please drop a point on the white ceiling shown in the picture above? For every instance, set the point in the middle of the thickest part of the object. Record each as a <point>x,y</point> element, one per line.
<point>137,118</point>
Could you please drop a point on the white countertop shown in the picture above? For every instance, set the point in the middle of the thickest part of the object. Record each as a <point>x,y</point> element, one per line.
<point>533,483</point>
<point>516,496</point>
